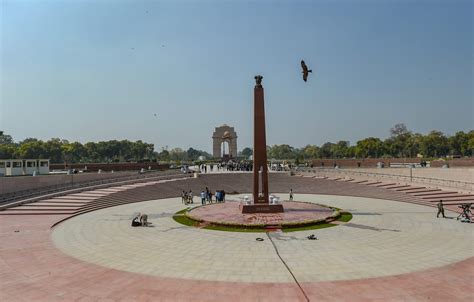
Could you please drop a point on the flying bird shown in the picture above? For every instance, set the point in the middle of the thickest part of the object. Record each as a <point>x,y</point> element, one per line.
<point>305,71</point>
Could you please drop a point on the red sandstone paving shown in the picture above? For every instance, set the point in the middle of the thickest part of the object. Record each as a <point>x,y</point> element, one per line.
<point>230,212</point>
<point>32,269</point>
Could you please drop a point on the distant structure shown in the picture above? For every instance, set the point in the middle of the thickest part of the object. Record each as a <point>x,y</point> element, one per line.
<point>222,135</point>
<point>17,167</point>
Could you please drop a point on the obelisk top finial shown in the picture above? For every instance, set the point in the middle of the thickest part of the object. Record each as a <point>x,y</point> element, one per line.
<point>258,80</point>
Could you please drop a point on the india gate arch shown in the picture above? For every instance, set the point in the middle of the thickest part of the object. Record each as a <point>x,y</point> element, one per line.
<point>224,134</point>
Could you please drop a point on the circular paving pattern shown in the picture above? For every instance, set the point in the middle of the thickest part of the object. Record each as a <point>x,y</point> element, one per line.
<point>230,213</point>
<point>384,238</point>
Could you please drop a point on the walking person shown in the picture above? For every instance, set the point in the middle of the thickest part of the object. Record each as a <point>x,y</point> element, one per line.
<point>440,209</point>
<point>203,197</point>
<point>190,196</point>
<point>291,194</point>
<point>183,197</point>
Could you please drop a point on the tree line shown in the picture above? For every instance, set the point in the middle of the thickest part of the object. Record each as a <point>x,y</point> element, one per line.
<point>60,151</point>
<point>401,143</point>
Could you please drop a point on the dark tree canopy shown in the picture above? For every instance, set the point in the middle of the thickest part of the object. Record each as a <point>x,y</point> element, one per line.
<point>401,143</point>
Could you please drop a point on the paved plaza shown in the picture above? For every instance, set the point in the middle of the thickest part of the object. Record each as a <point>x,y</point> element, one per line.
<point>393,249</point>
<point>384,238</point>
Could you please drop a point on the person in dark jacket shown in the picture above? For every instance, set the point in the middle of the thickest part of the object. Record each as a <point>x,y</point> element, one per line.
<point>440,209</point>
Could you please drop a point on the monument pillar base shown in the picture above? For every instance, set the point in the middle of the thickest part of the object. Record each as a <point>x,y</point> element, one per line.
<point>261,208</point>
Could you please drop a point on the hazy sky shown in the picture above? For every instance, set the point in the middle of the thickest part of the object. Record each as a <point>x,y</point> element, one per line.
<point>100,70</point>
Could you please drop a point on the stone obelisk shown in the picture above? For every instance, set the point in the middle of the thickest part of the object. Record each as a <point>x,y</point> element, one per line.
<point>260,170</point>
<point>261,202</point>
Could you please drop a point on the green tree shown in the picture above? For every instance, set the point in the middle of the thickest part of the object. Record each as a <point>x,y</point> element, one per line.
<point>193,154</point>
<point>164,155</point>
<point>397,144</point>
<point>280,152</point>
<point>326,150</point>
<point>435,144</point>
<point>92,153</point>
<point>369,147</point>
<point>311,152</point>
<point>340,149</point>
<point>8,148</point>
<point>6,139</point>
<point>470,144</point>
<point>74,152</point>
<point>54,150</point>
<point>177,154</point>
<point>8,151</point>
<point>246,152</point>
<point>459,143</point>
<point>32,149</point>
<point>413,145</point>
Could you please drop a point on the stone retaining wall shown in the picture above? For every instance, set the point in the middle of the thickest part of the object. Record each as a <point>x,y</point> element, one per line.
<point>21,183</point>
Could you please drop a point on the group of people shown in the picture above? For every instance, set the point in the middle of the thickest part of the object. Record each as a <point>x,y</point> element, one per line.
<point>140,220</point>
<point>187,197</point>
<point>206,196</point>
<point>226,166</point>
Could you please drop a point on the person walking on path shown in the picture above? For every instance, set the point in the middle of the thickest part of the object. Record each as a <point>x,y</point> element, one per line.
<point>203,197</point>
<point>440,209</point>
<point>291,194</point>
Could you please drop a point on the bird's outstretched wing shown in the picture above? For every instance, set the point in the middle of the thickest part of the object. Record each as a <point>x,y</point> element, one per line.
<point>305,76</point>
<point>303,65</point>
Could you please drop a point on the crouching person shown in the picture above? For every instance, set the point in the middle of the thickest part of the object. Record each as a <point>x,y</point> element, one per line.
<point>136,221</point>
<point>144,220</point>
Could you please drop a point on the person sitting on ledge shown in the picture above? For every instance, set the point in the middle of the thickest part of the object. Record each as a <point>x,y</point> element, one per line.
<point>135,221</point>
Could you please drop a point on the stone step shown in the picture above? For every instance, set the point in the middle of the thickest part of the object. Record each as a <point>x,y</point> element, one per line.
<point>410,189</point>
<point>60,202</point>
<point>41,209</point>
<point>385,185</point>
<point>396,187</point>
<point>69,197</point>
<point>441,194</point>
<point>462,199</point>
<point>373,183</point>
<point>11,212</point>
<point>422,191</point>
<point>49,205</point>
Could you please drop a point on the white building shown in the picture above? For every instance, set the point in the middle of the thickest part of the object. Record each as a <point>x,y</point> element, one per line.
<point>15,167</point>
